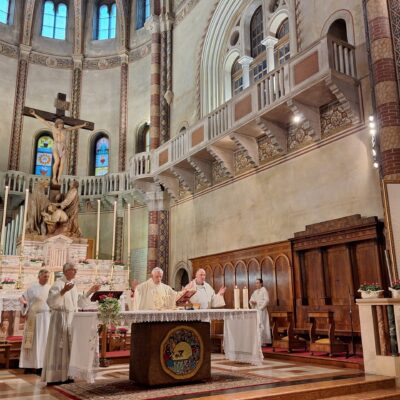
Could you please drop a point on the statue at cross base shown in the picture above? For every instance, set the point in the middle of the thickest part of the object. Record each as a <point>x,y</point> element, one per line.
<point>60,146</point>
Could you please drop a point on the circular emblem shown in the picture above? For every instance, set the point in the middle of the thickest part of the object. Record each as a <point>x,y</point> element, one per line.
<point>181,352</point>
<point>45,159</point>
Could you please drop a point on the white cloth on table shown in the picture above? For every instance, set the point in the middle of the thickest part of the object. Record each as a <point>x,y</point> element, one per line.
<point>58,348</point>
<point>36,326</point>
<point>151,296</point>
<point>206,297</point>
<point>262,299</point>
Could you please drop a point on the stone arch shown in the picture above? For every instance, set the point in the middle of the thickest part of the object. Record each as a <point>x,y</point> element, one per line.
<point>245,25</point>
<point>140,137</point>
<point>348,19</point>
<point>182,270</point>
<point>230,58</point>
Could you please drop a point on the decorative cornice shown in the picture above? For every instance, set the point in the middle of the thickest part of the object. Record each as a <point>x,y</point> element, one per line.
<point>8,50</point>
<point>51,61</point>
<point>140,52</point>
<point>102,63</point>
<point>183,11</point>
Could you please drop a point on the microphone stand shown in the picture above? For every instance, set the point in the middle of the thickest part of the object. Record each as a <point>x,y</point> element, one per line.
<point>353,353</point>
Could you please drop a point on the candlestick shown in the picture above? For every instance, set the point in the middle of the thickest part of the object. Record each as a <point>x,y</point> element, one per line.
<point>114,230</point>
<point>21,250</point>
<point>245,295</point>
<point>98,230</point>
<point>236,298</point>
<point>3,225</point>
<point>128,262</point>
<point>112,277</point>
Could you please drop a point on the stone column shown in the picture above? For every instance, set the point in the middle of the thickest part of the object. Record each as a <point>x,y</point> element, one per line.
<point>385,86</point>
<point>269,42</point>
<point>153,25</point>
<point>20,93</point>
<point>75,112</point>
<point>123,113</point>
<point>245,62</point>
<point>158,233</point>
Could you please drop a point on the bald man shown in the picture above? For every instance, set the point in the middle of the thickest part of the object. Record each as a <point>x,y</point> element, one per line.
<point>205,294</point>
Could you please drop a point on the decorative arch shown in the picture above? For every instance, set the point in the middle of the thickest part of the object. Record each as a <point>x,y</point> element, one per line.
<point>230,59</point>
<point>99,158</point>
<point>181,274</point>
<point>143,138</point>
<point>283,272</point>
<point>269,278</point>
<point>245,25</point>
<point>105,20</point>
<point>241,279</point>
<point>183,127</point>
<point>254,270</point>
<point>348,19</point>
<point>55,19</point>
<point>229,282</point>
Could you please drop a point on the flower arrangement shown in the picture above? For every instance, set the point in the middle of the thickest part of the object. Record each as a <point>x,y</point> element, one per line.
<point>84,261</point>
<point>8,281</point>
<point>370,287</point>
<point>109,310</point>
<point>394,289</point>
<point>102,280</point>
<point>395,285</point>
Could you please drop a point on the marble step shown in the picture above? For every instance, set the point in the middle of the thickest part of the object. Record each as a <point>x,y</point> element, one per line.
<point>380,394</point>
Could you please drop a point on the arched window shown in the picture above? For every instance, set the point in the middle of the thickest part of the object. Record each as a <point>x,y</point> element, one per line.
<point>106,21</point>
<point>5,11</point>
<point>236,77</point>
<point>55,15</point>
<point>338,30</point>
<point>142,12</point>
<point>257,48</point>
<point>44,155</point>
<point>282,48</point>
<point>101,159</point>
<point>143,139</point>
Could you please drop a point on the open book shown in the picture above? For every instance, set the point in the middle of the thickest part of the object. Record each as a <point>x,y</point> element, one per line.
<point>184,297</point>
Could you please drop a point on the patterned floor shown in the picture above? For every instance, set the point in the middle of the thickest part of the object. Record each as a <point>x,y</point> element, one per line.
<point>228,377</point>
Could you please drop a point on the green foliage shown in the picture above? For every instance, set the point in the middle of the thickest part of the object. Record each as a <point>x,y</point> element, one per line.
<point>396,285</point>
<point>370,287</point>
<point>109,309</point>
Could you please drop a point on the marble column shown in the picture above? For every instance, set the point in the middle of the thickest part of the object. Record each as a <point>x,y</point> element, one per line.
<point>245,62</point>
<point>385,86</point>
<point>269,42</point>
<point>123,114</point>
<point>75,113</point>
<point>20,93</point>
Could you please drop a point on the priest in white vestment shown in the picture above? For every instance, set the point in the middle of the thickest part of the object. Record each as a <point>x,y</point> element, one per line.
<point>205,294</point>
<point>259,300</point>
<point>153,294</point>
<point>34,306</point>
<point>63,301</point>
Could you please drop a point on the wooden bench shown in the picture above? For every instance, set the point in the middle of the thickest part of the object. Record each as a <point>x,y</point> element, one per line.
<point>328,344</point>
<point>283,335</point>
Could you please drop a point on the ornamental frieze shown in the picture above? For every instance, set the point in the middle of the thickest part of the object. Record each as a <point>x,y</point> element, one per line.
<point>51,61</point>
<point>8,50</point>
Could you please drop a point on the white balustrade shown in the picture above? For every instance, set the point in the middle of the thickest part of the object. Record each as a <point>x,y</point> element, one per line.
<point>19,181</point>
<point>179,145</point>
<point>272,87</point>
<point>342,56</point>
<point>220,120</point>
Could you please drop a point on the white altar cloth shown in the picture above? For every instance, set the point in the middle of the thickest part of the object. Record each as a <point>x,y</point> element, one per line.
<point>241,336</point>
<point>9,300</point>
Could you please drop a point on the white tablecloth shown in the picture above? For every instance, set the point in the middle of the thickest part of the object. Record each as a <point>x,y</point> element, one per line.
<point>9,301</point>
<point>241,335</point>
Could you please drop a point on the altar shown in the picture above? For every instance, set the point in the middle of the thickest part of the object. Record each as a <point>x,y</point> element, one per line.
<point>241,335</point>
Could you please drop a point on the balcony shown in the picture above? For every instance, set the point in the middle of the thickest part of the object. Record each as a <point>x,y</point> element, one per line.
<point>320,75</point>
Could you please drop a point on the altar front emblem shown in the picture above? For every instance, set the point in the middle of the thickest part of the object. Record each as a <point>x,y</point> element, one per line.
<point>181,352</point>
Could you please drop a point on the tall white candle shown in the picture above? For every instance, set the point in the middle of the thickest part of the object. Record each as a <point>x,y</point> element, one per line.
<point>114,230</point>
<point>245,296</point>
<point>3,225</point>
<point>24,223</point>
<point>236,298</point>
<point>98,229</point>
<point>129,234</point>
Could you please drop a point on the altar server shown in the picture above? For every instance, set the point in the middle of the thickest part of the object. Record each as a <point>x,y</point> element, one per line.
<point>205,294</point>
<point>259,300</point>
<point>34,306</point>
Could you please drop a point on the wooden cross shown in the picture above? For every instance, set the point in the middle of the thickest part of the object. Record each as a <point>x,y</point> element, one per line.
<point>61,106</point>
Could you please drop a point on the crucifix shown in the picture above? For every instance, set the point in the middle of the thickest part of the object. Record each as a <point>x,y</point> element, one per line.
<point>59,131</point>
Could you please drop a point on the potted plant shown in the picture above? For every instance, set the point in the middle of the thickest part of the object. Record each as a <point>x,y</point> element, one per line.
<point>395,289</point>
<point>371,290</point>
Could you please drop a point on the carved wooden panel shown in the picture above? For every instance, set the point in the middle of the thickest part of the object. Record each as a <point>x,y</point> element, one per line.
<point>272,263</point>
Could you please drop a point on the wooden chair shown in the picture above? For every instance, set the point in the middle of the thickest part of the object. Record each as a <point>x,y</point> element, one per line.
<point>217,335</point>
<point>329,344</point>
<point>283,332</point>
<point>5,354</point>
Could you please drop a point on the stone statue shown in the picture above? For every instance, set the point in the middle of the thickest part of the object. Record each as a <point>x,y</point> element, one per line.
<point>60,146</point>
<point>54,218</point>
<point>70,205</point>
<point>38,203</point>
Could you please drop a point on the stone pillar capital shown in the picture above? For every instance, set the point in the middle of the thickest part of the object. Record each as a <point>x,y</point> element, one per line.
<point>157,201</point>
<point>245,61</point>
<point>24,51</point>
<point>78,61</point>
<point>269,41</point>
<point>124,56</point>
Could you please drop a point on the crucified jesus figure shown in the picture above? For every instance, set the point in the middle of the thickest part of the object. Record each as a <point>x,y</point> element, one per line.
<point>60,145</point>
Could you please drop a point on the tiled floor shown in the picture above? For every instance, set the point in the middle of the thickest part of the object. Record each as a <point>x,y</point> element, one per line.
<point>16,386</point>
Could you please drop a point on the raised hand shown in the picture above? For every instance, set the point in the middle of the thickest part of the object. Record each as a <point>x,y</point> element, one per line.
<point>94,288</point>
<point>222,290</point>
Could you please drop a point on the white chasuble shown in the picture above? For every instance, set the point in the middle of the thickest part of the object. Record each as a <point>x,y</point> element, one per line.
<point>149,296</point>
<point>36,326</point>
<point>262,299</point>
<point>206,297</point>
<point>58,348</point>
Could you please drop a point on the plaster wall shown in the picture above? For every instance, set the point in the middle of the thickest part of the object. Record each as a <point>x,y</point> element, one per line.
<point>8,76</point>
<point>332,182</point>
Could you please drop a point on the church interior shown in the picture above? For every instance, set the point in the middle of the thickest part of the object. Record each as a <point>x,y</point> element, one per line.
<point>205,194</point>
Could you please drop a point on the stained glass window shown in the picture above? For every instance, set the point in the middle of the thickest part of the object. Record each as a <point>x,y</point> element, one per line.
<point>142,12</point>
<point>107,22</point>
<point>5,11</point>
<point>102,149</point>
<point>55,20</point>
<point>256,33</point>
<point>44,155</point>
